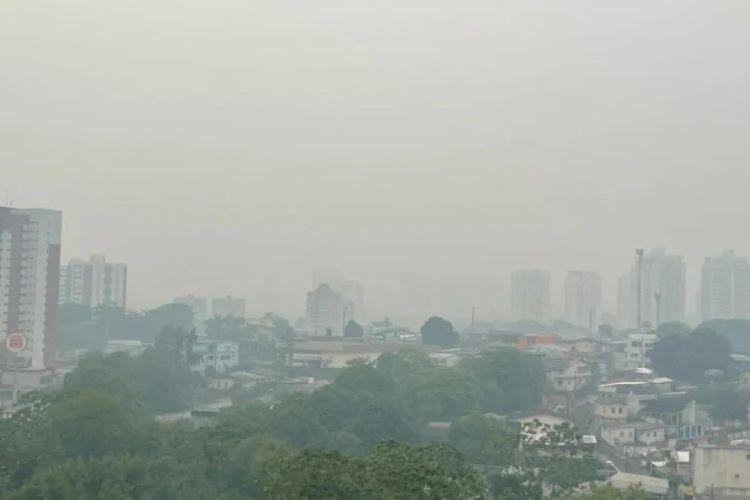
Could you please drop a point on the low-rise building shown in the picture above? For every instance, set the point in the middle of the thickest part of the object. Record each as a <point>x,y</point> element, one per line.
<point>210,356</point>
<point>568,376</point>
<point>618,435</point>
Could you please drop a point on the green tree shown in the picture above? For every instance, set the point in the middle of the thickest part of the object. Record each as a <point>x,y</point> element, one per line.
<point>688,357</point>
<point>439,332</point>
<point>484,440</point>
<point>509,380</point>
<point>354,330</point>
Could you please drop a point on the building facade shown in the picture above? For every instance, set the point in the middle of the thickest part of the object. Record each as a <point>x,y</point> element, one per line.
<point>530,297</point>
<point>327,312</point>
<point>721,472</point>
<point>94,283</point>
<point>662,291</point>
<point>29,284</point>
<point>725,287</point>
<point>583,299</point>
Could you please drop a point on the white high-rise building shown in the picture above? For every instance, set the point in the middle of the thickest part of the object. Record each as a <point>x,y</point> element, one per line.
<point>662,291</point>
<point>94,283</point>
<point>530,297</point>
<point>583,298</point>
<point>29,284</point>
<point>725,287</point>
<point>328,312</point>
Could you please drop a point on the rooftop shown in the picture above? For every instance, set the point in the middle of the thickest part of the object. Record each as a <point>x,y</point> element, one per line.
<point>651,485</point>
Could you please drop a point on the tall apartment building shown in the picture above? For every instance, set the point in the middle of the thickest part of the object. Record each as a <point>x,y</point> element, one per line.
<point>29,275</point>
<point>530,297</point>
<point>725,287</point>
<point>228,307</point>
<point>199,305</point>
<point>328,312</point>
<point>94,283</point>
<point>583,298</point>
<point>662,290</point>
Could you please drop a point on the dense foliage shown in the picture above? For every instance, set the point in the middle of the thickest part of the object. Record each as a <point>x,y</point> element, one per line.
<point>363,436</point>
<point>688,357</point>
<point>438,331</point>
<point>84,328</point>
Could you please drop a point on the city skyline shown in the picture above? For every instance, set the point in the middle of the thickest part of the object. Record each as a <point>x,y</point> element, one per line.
<point>543,149</point>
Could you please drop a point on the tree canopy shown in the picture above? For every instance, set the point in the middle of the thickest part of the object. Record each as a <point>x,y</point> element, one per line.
<point>438,331</point>
<point>688,357</point>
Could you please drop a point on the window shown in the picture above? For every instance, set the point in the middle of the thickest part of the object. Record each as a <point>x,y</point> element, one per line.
<point>619,410</point>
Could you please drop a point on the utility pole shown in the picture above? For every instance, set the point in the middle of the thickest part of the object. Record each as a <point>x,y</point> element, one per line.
<point>639,265</point>
<point>473,318</point>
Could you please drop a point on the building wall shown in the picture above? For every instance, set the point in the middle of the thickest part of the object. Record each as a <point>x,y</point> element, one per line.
<point>530,297</point>
<point>618,435</point>
<point>583,298</point>
<point>721,472</point>
<point>29,281</point>
<point>725,287</point>
<point>661,274</point>
<point>327,312</point>
<point>94,283</point>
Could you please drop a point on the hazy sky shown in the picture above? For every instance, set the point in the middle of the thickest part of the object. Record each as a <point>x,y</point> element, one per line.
<point>211,143</point>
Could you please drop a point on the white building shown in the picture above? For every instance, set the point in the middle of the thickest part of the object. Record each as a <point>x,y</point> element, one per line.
<point>327,312</point>
<point>662,291</point>
<point>721,472</point>
<point>214,356</point>
<point>94,283</point>
<point>725,287</point>
<point>228,306</point>
<point>583,298</point>
<point>530,297</point>
<point>569,376</point>
<point>29,283</point>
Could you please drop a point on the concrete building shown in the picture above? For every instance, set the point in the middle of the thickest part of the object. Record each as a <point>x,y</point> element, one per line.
<point>530,297</point>
<point>662,291</point>
<point>721,472</point>
<point>228,307</point>
<point>725,287</point>
<point>327,312</point>
<point>29,284</point>
<point>94,283</point>
<point>199,305</point>
<point>215,357</point>
<point>583,299</point>
<point>568,376</point>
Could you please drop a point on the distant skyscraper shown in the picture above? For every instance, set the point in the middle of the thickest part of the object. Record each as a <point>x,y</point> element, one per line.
<point>199,305</point>
<point>228,307</point>
<point>725,287</point>
<point>583,298</point>
<point>530,298</point>
<point>94,283</point>
<point>662,290</point>
<point>29,282</point>
<point>327,312</point>
<point>354,292</point>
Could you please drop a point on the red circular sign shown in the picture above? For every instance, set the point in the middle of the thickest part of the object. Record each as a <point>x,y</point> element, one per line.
<point>16,342</point>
